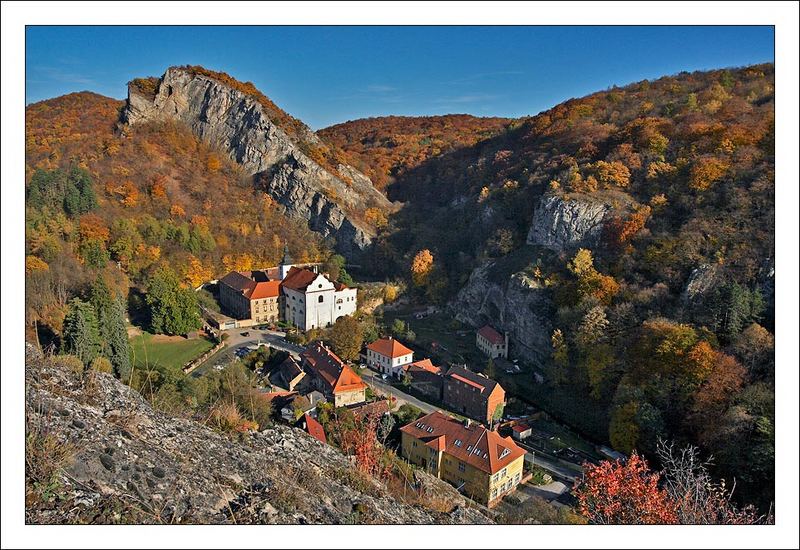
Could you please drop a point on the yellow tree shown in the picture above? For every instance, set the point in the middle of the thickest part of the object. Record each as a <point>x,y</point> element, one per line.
<point>421,267</point>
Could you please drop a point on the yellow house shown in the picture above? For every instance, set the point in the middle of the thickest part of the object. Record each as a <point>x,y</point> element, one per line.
<point>479,462</point>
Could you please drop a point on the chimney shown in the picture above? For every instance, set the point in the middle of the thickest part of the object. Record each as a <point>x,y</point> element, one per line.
<point>467,423</point>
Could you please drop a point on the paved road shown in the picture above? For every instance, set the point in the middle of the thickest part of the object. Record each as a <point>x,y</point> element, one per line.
<point>235,340</point>
<point>372,378</point>
<point>557,469</point>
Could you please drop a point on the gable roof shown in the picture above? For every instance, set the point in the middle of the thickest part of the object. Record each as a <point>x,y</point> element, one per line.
<point>254,285</point>
<point>491,335</point>
<point>483,384</point>
<point>483,449</point>
<point>423,364</point>
<point>266,289</point>
<point>330,369</point>
<point>313,428</point>
<point>288,371</point>
<point>238,281</point>
<point>298,278</point>
<point>389,347</point>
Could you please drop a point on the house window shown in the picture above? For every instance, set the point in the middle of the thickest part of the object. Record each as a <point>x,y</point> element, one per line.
<point>461,467</point>
<point>321,299</point>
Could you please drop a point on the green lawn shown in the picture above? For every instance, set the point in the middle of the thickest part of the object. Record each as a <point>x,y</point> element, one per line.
<point>171,352</point>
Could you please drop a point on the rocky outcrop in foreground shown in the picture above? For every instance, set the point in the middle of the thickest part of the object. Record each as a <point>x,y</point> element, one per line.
<point>565,222</point>
<point>519,305</point>
<point>237,123</point>
<point>128,463</point>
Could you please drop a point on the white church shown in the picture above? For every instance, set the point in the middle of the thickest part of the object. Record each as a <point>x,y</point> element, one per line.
<point>310,299</point>
<point>298,294</point>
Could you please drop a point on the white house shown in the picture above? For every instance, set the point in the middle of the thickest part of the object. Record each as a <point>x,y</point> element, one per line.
<point>492,343</point>
<point>389,356</point>
<point>311,300</point>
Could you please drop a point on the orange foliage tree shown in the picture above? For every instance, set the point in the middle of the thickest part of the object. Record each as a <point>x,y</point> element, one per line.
<point>623,493</point>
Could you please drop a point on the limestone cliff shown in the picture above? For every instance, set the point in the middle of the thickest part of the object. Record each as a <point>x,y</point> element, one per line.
<point>565,222</point>
<point>514,302</point>
<point>128,463</point>
<point>257,136</point>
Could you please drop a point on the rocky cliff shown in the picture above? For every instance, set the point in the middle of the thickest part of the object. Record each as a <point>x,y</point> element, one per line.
<point>116,460</point>
<point>239,123</point>
<point>565,222</point>
<point>516,303</point>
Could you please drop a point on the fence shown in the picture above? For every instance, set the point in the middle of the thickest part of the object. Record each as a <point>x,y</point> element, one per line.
<point>194,363</point>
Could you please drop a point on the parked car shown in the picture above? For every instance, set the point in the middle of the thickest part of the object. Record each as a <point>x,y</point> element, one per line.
<point>384,376</point>
<point>245,333</point>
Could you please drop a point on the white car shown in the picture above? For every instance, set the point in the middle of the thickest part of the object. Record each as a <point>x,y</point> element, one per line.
<point>219,367</point>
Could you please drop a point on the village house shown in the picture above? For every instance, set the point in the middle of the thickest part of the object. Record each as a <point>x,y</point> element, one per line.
<point>289,375</point>
<point>426,378</point>
<point>329,375</point>
<point>491,342</point>
<point>297,294</point>
<point>389,356</point>
<point>479,462</point>
<point>472,394</point>
<point>313,428</point>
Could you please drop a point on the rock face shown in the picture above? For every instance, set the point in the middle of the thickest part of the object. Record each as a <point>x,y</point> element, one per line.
<point>238,124</point>
<point>519,305</point>
<point>131,464</point>
<point>567,222</point>
<point>701,280</point>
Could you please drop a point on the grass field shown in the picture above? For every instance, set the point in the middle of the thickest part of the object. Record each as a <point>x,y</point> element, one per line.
<point>170,352</point>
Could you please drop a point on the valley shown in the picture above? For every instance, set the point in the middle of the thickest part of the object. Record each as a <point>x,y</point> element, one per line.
<point>621,245</point>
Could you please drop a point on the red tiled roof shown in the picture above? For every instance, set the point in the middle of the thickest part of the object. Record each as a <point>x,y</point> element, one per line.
<point>474,444</point>
<point>266,289</point>
<point>472,379</point>
<point>423,364</point>
<point>298,278</point>
<point>519,428</point>
<point>332,370</point>
<point>389,347</point>
<point>314,428</point>
<point>492,335</point>
<point>254,285</point>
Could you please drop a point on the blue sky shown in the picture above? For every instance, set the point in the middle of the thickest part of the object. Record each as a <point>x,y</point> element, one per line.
<point>325,75</point>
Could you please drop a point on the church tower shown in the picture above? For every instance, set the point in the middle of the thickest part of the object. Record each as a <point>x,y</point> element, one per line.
<point>286,263</point>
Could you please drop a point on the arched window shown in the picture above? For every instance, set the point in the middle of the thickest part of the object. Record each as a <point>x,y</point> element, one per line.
<point>321,299</point>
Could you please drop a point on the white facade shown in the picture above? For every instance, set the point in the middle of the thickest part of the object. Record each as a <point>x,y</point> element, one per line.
<point>388,365</point>
<point>320,305</point>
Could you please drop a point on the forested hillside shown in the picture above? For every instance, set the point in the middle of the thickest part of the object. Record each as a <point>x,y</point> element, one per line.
<point>641,218</point>
<point>661,322</point>
<point>117,200</point>
<point>385,147</point>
